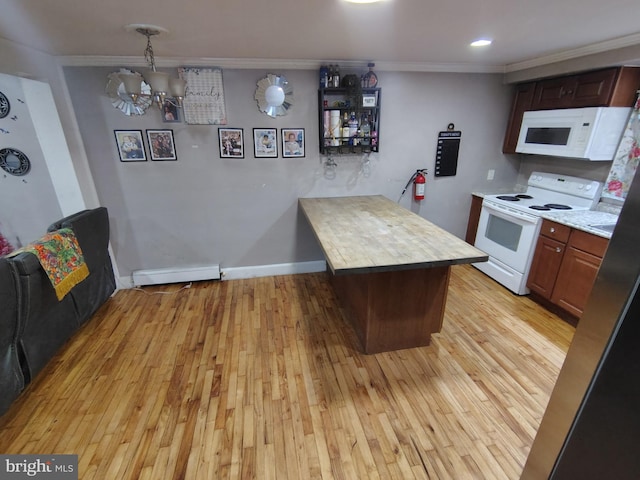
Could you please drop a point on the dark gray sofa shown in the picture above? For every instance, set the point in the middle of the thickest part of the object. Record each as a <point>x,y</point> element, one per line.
<point>42,324</point>
<point>11,376</point>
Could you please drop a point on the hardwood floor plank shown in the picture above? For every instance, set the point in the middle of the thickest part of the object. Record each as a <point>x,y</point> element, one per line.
<point>264,378</point>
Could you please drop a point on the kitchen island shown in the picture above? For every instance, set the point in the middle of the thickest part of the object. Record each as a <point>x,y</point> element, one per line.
<point>389,266</point>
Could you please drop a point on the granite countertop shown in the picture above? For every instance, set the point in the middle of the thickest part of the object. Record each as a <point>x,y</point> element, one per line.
<point>584,220</point>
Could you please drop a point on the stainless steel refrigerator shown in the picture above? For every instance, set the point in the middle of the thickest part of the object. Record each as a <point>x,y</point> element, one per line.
<point>591,427</point>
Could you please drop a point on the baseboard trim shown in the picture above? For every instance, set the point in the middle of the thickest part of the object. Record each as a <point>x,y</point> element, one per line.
<point>237,273</point>
<point>160,276</point>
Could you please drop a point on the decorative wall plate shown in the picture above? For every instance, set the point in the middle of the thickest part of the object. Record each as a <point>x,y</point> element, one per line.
<point>5,106</point>
<point>14,162</point>
<point>119,98</point>
<point>274,95</point>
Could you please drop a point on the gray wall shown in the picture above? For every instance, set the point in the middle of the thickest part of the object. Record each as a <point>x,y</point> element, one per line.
<point>564,166</point>
<point>243,212</point>
<point>203,209</point>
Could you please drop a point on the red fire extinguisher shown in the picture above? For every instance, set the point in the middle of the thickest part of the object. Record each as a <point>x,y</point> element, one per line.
<point>418,186</point>
<point>419,180</point>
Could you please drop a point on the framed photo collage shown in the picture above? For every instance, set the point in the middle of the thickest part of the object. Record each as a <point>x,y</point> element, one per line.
<point>160,144</point>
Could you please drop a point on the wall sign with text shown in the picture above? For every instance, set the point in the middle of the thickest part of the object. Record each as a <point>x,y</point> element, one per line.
<point>203,102</point>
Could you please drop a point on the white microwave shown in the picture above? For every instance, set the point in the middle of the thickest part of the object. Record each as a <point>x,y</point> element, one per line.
<point>591,133</point>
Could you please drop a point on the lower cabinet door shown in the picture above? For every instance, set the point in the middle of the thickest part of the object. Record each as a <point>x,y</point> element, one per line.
<point>545,266</point>
<point>575,280</point>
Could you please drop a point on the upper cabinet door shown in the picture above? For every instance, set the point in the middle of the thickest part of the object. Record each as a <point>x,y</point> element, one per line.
<point>585,90</point>
<point>521,103</point>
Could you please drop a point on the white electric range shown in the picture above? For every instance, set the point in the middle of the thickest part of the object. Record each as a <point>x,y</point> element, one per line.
<point>509,224</point>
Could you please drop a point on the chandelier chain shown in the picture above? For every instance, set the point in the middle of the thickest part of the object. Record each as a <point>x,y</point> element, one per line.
<point>148,52</point>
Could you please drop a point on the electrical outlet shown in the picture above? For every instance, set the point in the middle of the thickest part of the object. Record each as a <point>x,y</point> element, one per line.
<point>490,174</point>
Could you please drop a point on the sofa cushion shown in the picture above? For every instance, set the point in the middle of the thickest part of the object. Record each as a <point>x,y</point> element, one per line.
<point>11,376</point>
<point>47,322</point>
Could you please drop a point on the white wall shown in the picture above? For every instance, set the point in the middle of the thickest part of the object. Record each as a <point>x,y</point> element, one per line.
<point>74,184</point>
<point>29,201</point>
<point>243,212</point>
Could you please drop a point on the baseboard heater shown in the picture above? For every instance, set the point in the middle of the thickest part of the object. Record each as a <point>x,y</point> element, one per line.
<point>175,275</point>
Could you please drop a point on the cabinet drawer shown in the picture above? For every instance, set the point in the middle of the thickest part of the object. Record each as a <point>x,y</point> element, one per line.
<point>589,243</point>
<point>555,230</point>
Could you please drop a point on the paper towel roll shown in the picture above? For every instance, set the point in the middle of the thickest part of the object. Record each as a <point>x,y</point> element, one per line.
<point>327,123</point>
<point>334,127</point>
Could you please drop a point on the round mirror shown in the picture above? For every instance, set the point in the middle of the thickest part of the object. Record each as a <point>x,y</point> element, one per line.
<point>274,95</point>
<point>119,99</point>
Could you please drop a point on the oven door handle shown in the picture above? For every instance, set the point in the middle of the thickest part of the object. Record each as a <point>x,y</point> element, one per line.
<point>510,213</point>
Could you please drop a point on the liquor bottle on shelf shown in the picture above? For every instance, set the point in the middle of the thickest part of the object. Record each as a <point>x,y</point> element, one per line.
<point>366,130</point>
<point>357,140</point>
<point>370,79</point>
<point>345,129</point>
<point>336,76</point>
<point>353,128</point>
<point>324,76</point>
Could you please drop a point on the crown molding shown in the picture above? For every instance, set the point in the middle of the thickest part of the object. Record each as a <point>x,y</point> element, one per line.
<point>594,48</point>
<point>268,64</point>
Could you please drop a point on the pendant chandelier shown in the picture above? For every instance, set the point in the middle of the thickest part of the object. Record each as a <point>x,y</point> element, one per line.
<point>164,88</point>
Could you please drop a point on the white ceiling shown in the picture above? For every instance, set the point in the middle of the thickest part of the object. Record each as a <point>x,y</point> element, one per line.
<point>422,33</point>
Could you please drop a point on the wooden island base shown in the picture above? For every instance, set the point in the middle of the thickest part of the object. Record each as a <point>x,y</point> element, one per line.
<point>389,267</point>
<point>396,309</point>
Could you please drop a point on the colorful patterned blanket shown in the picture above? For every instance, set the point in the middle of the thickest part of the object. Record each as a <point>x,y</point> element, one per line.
<point>61,258</point>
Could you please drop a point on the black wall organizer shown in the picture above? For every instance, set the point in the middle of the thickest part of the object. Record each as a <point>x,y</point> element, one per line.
<point>447,152</point>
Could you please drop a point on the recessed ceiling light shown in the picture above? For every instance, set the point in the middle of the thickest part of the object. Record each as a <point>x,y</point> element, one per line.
<point>483,42</point>
<point>363,1</point>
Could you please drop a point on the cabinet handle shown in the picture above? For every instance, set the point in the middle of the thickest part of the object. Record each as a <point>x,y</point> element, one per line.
<point>558,249</point>
<point>552,230</point>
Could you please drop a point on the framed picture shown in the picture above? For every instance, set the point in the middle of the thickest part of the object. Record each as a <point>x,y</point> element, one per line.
<point>170,112</point>
<point>130,145</point>
<point>265,142</point>
<point>368,100</point>
<point>293,142</point>
<point>231,143</point>
<point>161,145</point>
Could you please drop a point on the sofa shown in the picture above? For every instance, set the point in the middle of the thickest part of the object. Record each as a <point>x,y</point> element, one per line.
<point>34,323</point>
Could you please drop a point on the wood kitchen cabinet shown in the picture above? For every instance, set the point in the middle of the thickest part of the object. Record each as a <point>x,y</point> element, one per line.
<point>610,87</point>
<point>565,266</point>
<point>548,258</point>
<point>593,89</point>
<point>474,218</point>
<point>521,103</point>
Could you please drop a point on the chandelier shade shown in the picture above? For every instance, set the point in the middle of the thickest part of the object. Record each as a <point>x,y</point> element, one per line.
<point>164,88</point>
<point>132,82</point>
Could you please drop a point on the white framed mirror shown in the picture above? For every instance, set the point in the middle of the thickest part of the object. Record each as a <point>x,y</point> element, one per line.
<point>274,95</point>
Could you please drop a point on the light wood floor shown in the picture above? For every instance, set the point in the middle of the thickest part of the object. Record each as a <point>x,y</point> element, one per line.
<point>262,378</point>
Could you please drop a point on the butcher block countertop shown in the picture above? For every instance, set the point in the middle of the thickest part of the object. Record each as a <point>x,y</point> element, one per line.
<point>364,234</point>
